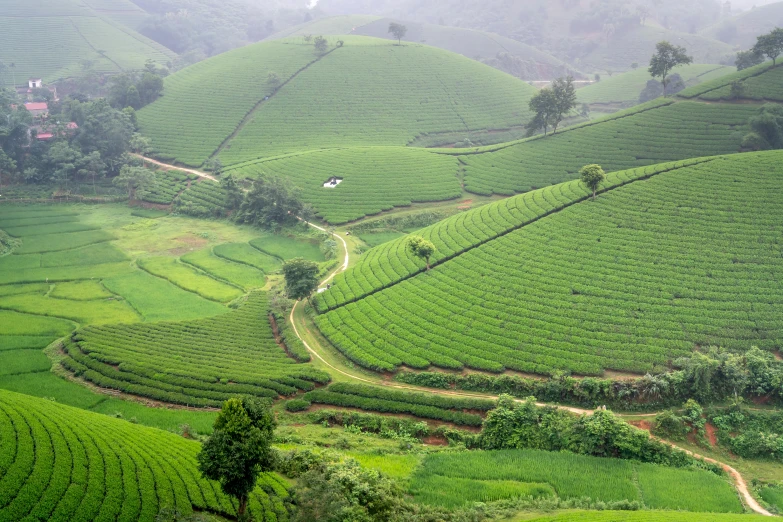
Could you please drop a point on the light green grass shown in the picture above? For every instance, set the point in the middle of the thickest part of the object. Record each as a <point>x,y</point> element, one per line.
<point>67,273</point>
<point>641,516</point>
<point>97,254</point>
<point>246,254</point>
<point>15,323</point>
<point>58,242</point>
<point>440,491</point>
<point>157,299</point>
<point>15,342</point>
<point>161,418</point>
<point>395,466</point>
<point>286,248</point>
<point>49,386</point>
<point>189,279</point>
<point>80,291</point>
<point>17,362</point>
<point>238,274</point>
<point>103,311</point>
<point>374,239</point>
<point>23,289</point>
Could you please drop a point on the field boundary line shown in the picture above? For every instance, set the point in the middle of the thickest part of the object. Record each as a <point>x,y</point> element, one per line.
<point>174,167</point>
<point>521,225</point>
<point>262,101</point>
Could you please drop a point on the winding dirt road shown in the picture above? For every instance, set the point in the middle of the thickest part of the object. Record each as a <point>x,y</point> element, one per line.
<point>739,481</point>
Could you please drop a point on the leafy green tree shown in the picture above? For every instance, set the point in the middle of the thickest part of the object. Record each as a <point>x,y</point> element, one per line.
<point>666,58</point>
<point>132,98</point>
<point>543,105</point>
<point>398,31</point>
<point>271,203</point>
<point>747,59</point>
<point>105,130</point>
<point>233,192</point>
<point>214,165</point>
<point>564,100</point>
<point>150,87</point>
<point>770,44</point>
<point>421,248</point>
<point>62,160</point>
<point>140,144</point>
<point>766,128</point>
<point>7,166</point>
<point>321,45</point>
<point>592,176</point>
<point>135,180</point>
<point>346,492</point>
<point>92,166</point>
<point>239,449</point>
<point>301,278</point>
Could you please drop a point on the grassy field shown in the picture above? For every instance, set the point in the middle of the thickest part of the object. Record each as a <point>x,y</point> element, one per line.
<point>761,83</point>
<point>61,463</point>
<point>454,479</point>
<point>625,88</point>
<point>74,32</point>
<point>639,516</point>
<point>367,92</point>
<point>613,288</point>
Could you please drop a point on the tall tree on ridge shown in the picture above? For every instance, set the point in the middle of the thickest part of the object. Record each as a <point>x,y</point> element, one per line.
<point>666,58</point>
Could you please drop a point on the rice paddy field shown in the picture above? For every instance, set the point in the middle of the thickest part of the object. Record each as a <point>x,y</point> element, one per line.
<point>121,270</point>
<point>632,302</point>
<point>74,31</point>
<point>455,479</point>
<point>64,464</point>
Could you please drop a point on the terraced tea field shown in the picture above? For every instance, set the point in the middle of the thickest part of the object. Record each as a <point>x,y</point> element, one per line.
<point>483,476</point>
<point>74,32</point>
<point>763,82</point>
<point>633,301</point>
<point>64,464</point>
<point>368,92</point>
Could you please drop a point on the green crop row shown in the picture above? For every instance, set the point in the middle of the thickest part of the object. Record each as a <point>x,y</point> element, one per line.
<point>759,71</point>
<point>629,282</point>
<point>766,86</point>
<point>200,362</point>
<point>376,399</point>
<point>460,476</point>
<point>391,262</point>
<point>167,185</point>
<point>59,463</point>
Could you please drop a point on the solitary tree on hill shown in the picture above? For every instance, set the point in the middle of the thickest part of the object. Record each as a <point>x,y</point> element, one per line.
<point>398,30</point>
<point>239,449</point>
<point>746,59</point>
<point>551,105</point>
<point>301,278</point>
<point>666,58</point>
<point>592,176</point>
<point>422,248</point>
<point>321,44</point>
<point>770,44</point>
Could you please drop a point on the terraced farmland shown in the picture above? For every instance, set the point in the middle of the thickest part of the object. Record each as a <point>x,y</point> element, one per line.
<point>196,363</point>
<point>368,92</point>
<point>454,479</point>
<point>373,179</point>
<point>763,82</point>
<point>652,133</point>
<point>74,32</point>
<point>612,289</point>
<point>64,464</point>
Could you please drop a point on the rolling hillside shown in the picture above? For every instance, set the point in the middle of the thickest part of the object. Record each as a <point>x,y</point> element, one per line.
<point>624,89</point>
<point>741,30</point>
<point>530,63</point>
<point>760,83</point>
<point>49,39</point>
<point>613,289</point>
<point>62,464</point>
<point>367,92</point>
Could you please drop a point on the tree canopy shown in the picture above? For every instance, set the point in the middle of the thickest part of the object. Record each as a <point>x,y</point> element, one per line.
<point>592,176</point>
<point>770,44</point>
<point>240,448</point>
<point>666,58</point>
<point>301,278</point>
<point>421,248</point>
<point>398,30</point>
<point>271,203</point>
<point>551,104</point>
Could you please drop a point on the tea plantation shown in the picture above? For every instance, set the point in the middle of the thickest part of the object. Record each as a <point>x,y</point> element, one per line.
<point>761,83</point>
<point>483,476</point>
<point>65,464</point>
<point>612,289</point>
<point>73,32</point>
<point>367,92</point>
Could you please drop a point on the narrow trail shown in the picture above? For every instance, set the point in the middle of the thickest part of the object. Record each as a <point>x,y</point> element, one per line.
<point>739,481</point>
<point>174,167</point>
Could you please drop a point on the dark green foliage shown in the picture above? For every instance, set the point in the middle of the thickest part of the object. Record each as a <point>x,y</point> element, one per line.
<point>666,58</point>
<point>767,129</point>
<point>271,203</point>
<point>747,59</point>
<point>301,278</point>
<point>239,449</point>
<point>770,44</point>
<point>295,405</point>
<point>749,433</point>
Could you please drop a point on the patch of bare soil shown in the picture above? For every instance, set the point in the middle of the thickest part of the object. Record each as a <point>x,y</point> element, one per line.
<point>187,244</point>
<point>712,436</point>
<point>642,424</point>
<point>435,440</point>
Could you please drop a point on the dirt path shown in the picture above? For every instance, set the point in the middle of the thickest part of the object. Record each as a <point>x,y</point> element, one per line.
<point>739,482</point>
<point>174,167</point>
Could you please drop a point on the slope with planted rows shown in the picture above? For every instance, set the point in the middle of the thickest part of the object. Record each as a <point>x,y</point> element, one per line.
<point>570,284</point>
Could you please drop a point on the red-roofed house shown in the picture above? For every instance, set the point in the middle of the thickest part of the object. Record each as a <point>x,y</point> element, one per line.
<point>37,108</point>
<point>45,136</point>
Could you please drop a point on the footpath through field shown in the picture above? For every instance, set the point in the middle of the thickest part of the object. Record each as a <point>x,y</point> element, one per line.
<point>739,482</point>
<point>174,167</point>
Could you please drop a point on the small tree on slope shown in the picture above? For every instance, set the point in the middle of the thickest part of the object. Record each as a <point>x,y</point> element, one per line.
<point>592,176</point>
<point>770,44</point>
<point>398,30</point>
<point>422,248</point>
<point>239,449</point>
<point>666,58</point>
<point>301,278</point>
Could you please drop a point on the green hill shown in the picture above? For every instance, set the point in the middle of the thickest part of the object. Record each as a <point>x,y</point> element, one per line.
<point>367,92</point>
<point>625,88</point>
<point>64,464</point>
<point>761,83</point>
<point>620,51</point>
<point>516,58</point>
<point>667,259</point>
<point>741,30</point>
<point>643,516</point>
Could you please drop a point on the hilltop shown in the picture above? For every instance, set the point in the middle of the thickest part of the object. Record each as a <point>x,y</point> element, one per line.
<point>516,58</point>
<point>760,83</point>
<point>362,92</point>
<point>741,30</point>
<point>667,259</point>
<point>51,39</point>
